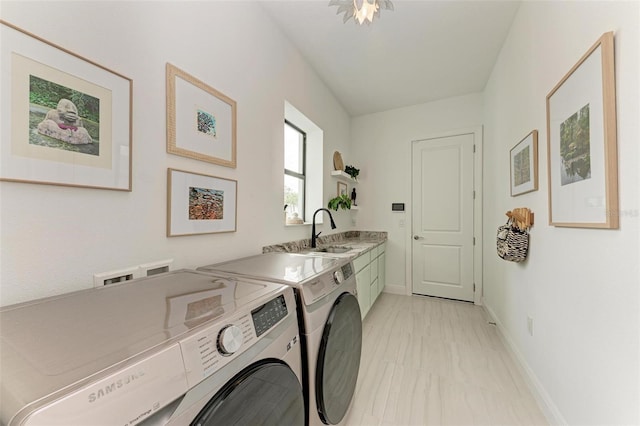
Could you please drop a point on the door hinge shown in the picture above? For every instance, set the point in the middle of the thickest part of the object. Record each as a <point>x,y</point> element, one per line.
<point>474,194</point>
<point>474,287</point>
<point>474,241</point>
<point>474,148</point>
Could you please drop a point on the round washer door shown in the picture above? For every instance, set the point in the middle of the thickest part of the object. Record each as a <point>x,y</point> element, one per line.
<point>339,359</point>
<point>266,393</point>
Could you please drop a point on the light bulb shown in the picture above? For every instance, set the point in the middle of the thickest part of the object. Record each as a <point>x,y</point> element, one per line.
<point>366,11</point>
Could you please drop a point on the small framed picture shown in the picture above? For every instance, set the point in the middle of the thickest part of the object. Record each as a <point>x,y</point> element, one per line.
<point>201,121</point>
<point>200,204</point>
<point>342,188</point>
<point>524,165</point>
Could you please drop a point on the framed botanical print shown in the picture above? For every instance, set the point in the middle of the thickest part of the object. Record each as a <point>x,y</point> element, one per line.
<point>581,142</point>
<point>524,165</point>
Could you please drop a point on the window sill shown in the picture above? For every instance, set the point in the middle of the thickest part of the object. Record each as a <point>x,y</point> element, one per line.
<point>299,224</point>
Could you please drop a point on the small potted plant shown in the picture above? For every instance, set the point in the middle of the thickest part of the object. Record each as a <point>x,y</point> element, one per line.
<point>341,201</point>
<point>352,171</point>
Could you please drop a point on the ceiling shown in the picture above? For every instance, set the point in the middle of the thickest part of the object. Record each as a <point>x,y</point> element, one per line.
<point>421,51</point>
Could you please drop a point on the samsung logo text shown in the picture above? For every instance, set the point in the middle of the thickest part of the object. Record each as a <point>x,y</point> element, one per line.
<point>114,386</point>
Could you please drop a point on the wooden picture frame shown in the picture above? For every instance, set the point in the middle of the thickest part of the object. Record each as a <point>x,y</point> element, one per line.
<point>201,121</point>
<point>342,189</point>
<point>200,204</point>
<point>524,165</point>
<point>66,120</point>
<point>581,142</point>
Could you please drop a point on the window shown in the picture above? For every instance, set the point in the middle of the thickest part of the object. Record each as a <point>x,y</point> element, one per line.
<point>303,164</point>
<point>295,148</point>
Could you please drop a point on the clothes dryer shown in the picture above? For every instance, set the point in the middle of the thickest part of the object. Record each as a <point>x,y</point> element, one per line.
<point>331,324</point>
<point>179,348</point>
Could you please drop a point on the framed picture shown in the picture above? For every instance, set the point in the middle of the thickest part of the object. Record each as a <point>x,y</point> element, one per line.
<point>200,204</point>
<point>581,138</point>
<point>65,119</point>
<point>201,122</point>
<point>342,189</point>
<point>524,165</point>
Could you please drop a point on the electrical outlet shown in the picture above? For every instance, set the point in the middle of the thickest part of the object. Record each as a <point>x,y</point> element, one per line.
<point>113,277</point>
<point>154,268</point>
<point>530,325</point>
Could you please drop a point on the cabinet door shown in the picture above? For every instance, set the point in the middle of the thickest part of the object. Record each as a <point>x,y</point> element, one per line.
<point>363,282</point>
<point>374,268</point>
<point>374,281</point>
<point>382,270</point>
<point>373,291</point>
<point>362,261</point>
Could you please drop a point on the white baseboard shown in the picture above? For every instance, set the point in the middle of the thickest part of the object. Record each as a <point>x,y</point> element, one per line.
<point>548,407</point>
<point>395,289</point>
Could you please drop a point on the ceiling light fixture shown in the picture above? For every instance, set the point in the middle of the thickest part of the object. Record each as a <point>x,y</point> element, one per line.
<point>361,10</point>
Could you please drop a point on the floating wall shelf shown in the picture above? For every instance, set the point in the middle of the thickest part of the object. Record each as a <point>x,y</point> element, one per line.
<point>341,174</point>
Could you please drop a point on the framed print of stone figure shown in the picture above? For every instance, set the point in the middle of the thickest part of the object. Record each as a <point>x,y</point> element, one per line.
<point>67,120</point>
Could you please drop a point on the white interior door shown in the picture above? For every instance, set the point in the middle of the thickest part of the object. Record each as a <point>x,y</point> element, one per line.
<point>443,216</point>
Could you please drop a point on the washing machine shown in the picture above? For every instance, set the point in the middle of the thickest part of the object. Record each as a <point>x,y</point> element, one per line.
<point>331,326</point>
<point>179,348</point>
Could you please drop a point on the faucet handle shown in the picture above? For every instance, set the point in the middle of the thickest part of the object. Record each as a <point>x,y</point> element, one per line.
<point>318,234</point>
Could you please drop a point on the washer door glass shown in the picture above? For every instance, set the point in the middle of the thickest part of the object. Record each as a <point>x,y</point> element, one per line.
<point>339,359</point>
<point>265,393</point>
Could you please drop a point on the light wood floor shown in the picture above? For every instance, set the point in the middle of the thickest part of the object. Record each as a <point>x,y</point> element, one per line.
<point>428,361</point>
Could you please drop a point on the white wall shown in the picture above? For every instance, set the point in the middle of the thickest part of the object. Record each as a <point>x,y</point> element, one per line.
<point>53,239</point>
<point>580,286</point>
<point>382,146</point>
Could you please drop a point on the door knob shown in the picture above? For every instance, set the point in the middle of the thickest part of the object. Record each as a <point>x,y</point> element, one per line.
<point>417,237</point>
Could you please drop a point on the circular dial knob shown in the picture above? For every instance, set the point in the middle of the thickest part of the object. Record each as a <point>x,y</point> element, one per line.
<point>230,339</point>
<point>338,277</point>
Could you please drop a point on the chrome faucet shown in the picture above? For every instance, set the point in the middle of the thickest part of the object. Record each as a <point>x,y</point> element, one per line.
<point>314,236</point>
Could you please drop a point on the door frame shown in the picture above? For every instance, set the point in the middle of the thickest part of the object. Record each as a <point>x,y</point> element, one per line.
<point>477,132</point>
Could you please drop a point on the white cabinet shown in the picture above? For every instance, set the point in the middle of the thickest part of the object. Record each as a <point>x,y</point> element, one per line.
<point>379,263</point>
<point>370,276</point>
<point>363,282</point>
<point>381,272</point>
<point>373,293</point>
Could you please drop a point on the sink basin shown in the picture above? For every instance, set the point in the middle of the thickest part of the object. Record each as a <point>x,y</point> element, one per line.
<point>332,249</point>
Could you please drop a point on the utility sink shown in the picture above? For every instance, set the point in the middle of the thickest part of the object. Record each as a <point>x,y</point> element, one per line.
<point>332,249</point>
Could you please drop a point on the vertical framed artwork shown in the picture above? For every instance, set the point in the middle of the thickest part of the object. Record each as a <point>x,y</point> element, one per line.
<point>342,189</point>
<point>200,204</point>
<point>201,121</point>
<point>524,165</point>
<point>581,137</point>
<point>65,119</point>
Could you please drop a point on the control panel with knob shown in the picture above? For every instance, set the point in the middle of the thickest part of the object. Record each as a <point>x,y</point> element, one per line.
<point>338,277</point>
<point>230,339</point>
<point>208,350</point>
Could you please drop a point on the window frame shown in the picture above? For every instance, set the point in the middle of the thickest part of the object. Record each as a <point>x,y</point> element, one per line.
<point>302,176</point>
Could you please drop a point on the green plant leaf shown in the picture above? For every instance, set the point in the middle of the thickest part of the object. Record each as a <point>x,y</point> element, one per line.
<point>352,171</point>
<point>343,201</point>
